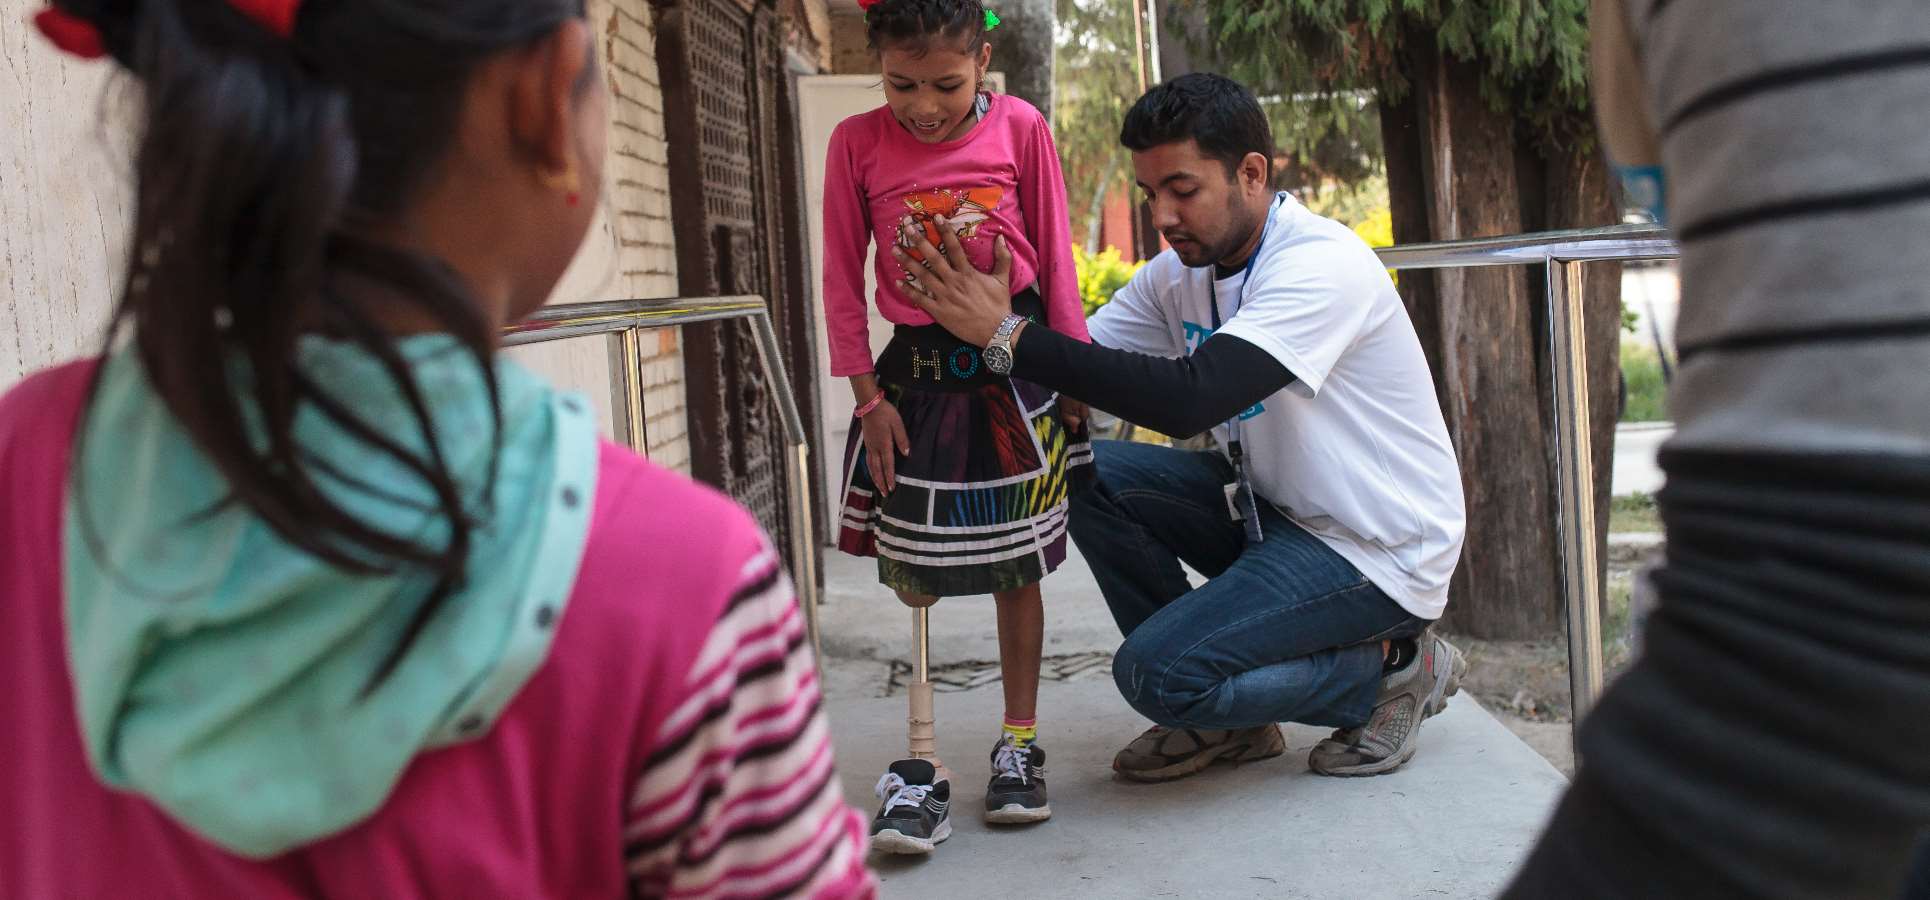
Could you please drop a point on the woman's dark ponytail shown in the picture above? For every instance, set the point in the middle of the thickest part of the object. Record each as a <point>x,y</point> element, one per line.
<point>262,160</point>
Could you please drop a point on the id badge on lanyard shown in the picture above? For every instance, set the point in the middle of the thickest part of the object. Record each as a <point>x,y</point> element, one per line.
<point>1240,497</point>
<point>1239,494</point>
<point>1240,500</point>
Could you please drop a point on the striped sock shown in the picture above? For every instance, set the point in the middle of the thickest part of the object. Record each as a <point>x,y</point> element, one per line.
<point>1023,731</point>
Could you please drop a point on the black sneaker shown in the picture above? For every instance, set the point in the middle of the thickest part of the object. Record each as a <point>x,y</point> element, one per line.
<point>916,816</point>
<point>1016,795</point>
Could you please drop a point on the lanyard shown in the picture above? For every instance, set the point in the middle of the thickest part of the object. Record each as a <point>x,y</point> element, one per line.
<point>1246,275</point>
<point>1241,495</point>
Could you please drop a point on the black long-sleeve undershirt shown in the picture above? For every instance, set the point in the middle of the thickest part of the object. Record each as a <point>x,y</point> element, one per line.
<point>1177,397</point>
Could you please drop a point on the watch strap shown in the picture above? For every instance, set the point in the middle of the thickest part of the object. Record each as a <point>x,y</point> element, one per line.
<point>1006,328</point>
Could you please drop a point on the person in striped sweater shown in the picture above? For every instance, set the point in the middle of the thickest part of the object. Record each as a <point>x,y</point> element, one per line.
<point>1772,741</point>
<point>310,592</point>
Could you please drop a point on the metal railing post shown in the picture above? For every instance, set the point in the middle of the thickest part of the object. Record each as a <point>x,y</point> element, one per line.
<point>803,541</point>
<point>627,319</point>
<point>634,413</point>
<point>1566,253</point>
<point>1576,483</point>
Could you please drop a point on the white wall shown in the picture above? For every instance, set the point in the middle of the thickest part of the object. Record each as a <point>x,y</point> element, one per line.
<point>64,201</point>
<point>823,102</point>
<point>66,206</point>
<point>631,250</point>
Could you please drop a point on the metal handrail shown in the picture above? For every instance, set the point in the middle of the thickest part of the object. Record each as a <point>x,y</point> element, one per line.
<point>1565,253</point>
<point>571,320</point>
<point>1611,244</point>
<point>627,319</point>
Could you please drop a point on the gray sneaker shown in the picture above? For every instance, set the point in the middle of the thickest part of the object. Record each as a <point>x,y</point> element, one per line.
<point>1163,754</point>
<point>1407,698</point>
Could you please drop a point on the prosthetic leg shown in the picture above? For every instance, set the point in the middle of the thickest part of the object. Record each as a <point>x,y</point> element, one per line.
<point>921,730</point>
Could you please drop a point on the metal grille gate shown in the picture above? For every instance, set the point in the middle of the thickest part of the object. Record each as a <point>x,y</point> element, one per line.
<point>736,201</point>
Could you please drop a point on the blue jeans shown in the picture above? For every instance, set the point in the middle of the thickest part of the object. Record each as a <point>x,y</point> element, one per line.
<point>1283,631</point>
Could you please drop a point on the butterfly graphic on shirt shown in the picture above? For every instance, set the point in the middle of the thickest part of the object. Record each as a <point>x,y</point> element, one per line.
<point>967,209</point>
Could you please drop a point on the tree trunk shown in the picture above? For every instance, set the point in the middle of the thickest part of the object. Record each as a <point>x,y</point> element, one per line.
<point>1405,150</point>
<point>1023,50</point>
<point>1096,211</point>
<point>1458,169</point>
<point>1095,219</point>
<point>1507,583</point>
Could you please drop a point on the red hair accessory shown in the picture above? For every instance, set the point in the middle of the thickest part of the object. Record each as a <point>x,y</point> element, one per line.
<point>70,33</point>
<point>82,38</point>
<point>278,16</point>
<point>866,5</point>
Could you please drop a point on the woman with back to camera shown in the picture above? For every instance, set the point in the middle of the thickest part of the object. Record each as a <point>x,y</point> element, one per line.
<point>314,594</point>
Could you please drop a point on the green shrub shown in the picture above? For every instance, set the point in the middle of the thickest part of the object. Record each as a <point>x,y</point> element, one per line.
<point>1101,275</point>
<point>1647,393</point>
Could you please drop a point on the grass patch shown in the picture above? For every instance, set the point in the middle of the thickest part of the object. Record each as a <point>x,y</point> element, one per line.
<point>1635,512</point>
<point>1618,627</point>
<point>1647,393</point>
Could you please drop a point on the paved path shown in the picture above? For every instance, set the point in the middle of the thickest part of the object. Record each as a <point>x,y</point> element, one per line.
<point>1453,824</point>
<point>1653,292</point>
<point>1635,448</point>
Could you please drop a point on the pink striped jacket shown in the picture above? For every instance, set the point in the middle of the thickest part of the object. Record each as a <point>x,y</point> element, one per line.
<point>672,745</point>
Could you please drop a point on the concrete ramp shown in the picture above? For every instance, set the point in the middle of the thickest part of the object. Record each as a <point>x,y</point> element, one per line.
<point>1453,823</point>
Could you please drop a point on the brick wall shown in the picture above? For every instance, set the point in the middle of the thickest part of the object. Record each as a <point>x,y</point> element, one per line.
<point>631,250</point>
<point>808,30</point>
<point>850,48</point>
<point>639,203</point>
<point>1116,229</point>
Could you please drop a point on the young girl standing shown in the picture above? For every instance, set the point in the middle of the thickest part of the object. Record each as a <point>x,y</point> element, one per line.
<point>958,479</point>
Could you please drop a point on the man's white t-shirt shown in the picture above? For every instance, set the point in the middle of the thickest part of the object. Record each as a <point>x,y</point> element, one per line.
<point>1355,450</point>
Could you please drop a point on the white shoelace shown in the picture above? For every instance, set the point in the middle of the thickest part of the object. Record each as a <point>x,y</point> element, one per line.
<point>1011,762</point>
<point>893,790</point>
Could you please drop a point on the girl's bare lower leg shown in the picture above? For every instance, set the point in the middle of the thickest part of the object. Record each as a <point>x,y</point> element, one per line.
<point>1021,618</point>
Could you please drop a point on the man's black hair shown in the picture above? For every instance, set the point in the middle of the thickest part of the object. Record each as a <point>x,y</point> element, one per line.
<point>1214,110</point>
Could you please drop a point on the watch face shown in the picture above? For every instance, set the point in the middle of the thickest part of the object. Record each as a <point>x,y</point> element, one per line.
<point>998,358</point>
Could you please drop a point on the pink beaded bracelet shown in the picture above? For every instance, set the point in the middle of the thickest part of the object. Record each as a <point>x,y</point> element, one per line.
<point>873,403</point>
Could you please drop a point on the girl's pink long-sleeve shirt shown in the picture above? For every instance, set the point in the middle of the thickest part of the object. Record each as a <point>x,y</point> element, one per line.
<point>1001,178</point>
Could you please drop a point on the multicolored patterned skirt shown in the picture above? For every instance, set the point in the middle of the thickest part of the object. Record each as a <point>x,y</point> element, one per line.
<point>981,500</point>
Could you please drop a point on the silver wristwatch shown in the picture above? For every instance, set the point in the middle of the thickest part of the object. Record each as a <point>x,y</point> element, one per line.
<point>998,353</point>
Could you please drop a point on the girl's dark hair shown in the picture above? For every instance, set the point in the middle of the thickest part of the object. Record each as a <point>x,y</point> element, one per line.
<point>260,161</point>
<point>1213,110</point>
<point>916,24</point>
